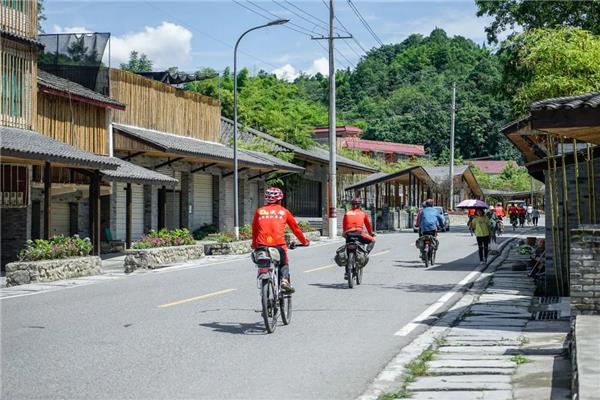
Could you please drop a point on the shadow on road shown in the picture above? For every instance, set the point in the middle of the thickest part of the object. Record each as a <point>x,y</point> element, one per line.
<point>418,287</point>
<point>342,285</point>
<point>236,328</point>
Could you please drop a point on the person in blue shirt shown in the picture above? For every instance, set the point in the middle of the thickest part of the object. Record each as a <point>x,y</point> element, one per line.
<point>429,219</point>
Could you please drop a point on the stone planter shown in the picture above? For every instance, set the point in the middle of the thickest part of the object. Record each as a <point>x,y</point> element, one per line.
<point>24,272</point>
<point>159,257</point>
<point>313,236</point>
<point>221,249</point>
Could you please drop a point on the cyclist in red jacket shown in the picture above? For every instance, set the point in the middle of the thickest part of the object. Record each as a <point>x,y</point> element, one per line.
<point>268,230</point>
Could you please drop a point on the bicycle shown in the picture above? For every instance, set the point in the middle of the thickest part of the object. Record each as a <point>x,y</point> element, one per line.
<point>428,246</point>
<point>273,300</point>
<point>354,271</point>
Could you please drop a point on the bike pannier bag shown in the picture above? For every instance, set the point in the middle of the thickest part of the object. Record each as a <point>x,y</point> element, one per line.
<point>362,257</point>
<point>341,258</point>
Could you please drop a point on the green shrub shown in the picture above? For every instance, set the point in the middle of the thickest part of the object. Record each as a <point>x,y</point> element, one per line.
<point>165,238</point>
<point>204,231</point>
<point>246,232</point>
<point>55,248</point>
<point>305,226</point>
<point>222,237</point>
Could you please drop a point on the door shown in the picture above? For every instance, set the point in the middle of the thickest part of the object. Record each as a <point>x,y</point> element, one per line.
<point>137,217</point>
<point>202,210</point>
<point>60,224</point>
<point>173,205</point>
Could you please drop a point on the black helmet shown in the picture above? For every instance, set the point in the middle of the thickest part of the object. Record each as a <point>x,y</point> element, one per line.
<point>429,203</point>
<point>356,202</point>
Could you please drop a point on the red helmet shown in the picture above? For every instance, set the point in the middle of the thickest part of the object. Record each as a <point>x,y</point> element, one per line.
<point>273,195</point>
<point>356,202</point>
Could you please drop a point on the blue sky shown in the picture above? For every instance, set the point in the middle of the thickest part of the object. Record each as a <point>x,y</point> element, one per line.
<point>194,34</point>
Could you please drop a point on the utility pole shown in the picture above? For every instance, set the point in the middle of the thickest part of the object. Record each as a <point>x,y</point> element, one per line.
<point>451,205</point>
<point>332,211</point>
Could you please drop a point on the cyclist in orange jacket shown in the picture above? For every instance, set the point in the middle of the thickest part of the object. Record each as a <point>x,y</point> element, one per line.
<point>268,230</point>
<point>353,223</point>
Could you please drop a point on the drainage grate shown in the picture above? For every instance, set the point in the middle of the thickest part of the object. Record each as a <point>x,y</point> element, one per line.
<point>549,300</point>
<point>545,315</point>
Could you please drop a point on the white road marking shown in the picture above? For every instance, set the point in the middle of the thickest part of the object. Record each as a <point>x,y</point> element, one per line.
<point>321,268</point>
<point>412,325</point>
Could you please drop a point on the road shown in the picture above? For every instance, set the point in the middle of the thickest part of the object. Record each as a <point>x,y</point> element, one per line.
<point>197,332</point>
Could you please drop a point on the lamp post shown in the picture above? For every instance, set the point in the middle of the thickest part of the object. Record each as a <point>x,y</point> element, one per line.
<point>236,214</point>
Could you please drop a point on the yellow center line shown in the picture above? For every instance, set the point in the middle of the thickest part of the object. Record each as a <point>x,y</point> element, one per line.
<point>380,253</point>
<point>204,296</point>
<point>320,268</point>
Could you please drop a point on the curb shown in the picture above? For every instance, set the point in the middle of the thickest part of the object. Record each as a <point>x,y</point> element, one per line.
<point>390,378</point>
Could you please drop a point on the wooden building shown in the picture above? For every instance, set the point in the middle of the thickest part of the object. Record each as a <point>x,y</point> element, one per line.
<point>559,140</point>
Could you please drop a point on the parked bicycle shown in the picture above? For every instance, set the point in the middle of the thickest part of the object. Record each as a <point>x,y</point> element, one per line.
<point>273,300</point>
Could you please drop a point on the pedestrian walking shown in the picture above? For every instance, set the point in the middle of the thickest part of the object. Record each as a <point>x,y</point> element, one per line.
<point>480,225</point>
<point>470,214</point>
<point>535,216</point>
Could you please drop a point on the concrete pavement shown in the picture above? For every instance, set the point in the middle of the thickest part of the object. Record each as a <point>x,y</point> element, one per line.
<point>195,332</point>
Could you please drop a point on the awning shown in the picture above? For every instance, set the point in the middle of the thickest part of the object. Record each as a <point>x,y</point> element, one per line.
<point>132,173</point>
<point>24,144</point>
<point>278,163</point>
<point>190,147</point>
<point>400,176</point>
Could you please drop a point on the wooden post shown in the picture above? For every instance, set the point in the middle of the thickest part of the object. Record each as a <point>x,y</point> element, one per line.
<point>162,207</point>
<point>128,215</point>
<point>365,197</point>
<point>47,197</point>
<point>376,196</point>
<point>95,211</point>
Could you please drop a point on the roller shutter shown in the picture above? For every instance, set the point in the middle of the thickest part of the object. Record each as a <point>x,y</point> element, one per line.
<point>202,211</point>
<point>137,218</point>
<point>60,219</point>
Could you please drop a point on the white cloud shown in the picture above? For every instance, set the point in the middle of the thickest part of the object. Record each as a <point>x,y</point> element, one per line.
<point>69,29</point>
<point>288,72</point>
<point>167,45</point>
<point>319,65</point>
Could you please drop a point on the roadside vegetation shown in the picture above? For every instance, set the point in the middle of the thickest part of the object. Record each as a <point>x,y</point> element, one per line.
<point>55,248</point>
<point>414,369</point>
<point>164,238</point>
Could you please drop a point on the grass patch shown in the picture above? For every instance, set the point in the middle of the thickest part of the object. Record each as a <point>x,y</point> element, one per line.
<point>415,368</point>
<point>519,359</point>
<point>523,340</point>
<point>440,341</point>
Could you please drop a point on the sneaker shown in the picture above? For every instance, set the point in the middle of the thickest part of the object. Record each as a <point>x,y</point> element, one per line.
<point>286,286</point>
<point>345,276</point>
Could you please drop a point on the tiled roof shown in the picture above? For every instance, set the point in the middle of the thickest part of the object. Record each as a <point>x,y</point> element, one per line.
<point>21,39</point>
<point>491,166</point>
<point>189,146</point>
<point>316,153</point>
<point>587,100</point>
<point>276,161</point>
<point>51,81</point>
<point>383,147</point>
<point>384,176</point>
<point>440,174</point>
<point>23,143</point>
<point>132,173</point>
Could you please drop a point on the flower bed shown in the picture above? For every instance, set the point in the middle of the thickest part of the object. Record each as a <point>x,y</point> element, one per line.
<point>61,257</point>
<point>165,238</point>
<point>159,257</point>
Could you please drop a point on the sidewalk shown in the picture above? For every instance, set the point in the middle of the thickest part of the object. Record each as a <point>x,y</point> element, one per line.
<point>505,345</point>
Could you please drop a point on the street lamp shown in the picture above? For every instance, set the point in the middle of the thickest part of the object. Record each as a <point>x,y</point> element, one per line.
<point>235,124</point>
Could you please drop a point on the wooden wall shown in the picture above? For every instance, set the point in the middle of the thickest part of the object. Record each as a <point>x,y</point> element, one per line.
<point>18,77</point>
<point>155,105</point>
<point>19,17</point>
<point>79,124</point>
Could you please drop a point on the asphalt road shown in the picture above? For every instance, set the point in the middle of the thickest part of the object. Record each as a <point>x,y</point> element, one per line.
<point>197,333</point>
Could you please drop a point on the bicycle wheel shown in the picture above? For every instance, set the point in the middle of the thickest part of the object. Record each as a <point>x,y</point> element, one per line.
<point>350,269</point>
<point>433,253</point>
<point>426,258</point>
<point>269,312</point>
<point>285,303</point>
<point>359,272</point>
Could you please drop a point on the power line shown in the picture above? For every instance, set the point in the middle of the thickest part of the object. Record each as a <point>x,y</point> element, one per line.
<point>346,29</point>
<point>195,29</point>
<point>316,25</point>
<point>364,22</point>
<point>321,23</point>
<point>299,29</point>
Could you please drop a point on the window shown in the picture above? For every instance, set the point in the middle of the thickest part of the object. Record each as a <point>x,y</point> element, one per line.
<point>18,5</point>
<point>16,91</point>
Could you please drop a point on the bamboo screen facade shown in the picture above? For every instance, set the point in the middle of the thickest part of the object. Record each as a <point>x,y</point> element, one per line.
<point>19,17</point>
<point>76,123</point>
<point>18,69</point>
<point>158,106</point>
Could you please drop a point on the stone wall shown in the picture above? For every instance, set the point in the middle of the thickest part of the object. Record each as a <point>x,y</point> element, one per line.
<point>219,249</point>
<point>585,270</point>
<point>16,226</point>
<point>160,257</point>
<point>24,272</point>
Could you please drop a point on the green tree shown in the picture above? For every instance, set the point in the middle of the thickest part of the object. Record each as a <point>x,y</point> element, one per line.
<point>545,63</point>
<point>137,63</point>
<point>41,16</point>
<point>508,14</point>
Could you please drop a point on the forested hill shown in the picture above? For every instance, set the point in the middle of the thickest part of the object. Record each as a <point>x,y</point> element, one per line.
<point>400,93</point>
